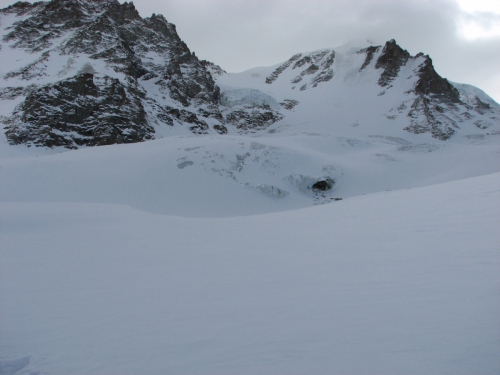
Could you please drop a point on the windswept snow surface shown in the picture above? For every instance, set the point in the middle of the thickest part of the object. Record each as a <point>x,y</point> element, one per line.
<point>400,282</point>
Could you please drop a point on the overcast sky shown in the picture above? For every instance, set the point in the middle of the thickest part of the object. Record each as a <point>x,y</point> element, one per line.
<point>461,36</point>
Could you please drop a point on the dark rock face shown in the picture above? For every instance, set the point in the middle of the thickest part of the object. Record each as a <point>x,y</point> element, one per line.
<point>21,8</point>
<point>391,60</point>
<point>435,106</point>
<point>370,52</point>
<point>215,70</point>
<point>252,118</point>
<point>317,64</point>
<point>436,101</point>
<point>49,22</point>
<point>144,52</point>
<point>431,83</point>
<point>289,104</point>
<point>80,111</point>
<point>274,75</point>
<point>10,93</point>
<point>427,116</point>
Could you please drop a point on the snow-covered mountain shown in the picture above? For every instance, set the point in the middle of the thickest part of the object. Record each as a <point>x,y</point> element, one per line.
<point>321,126</point>
<point>87,72</point>
<point>198,238</point>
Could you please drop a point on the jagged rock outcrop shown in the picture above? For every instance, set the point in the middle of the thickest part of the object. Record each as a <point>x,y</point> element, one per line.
<point>215,70</point>
<point>153,79</point>
<point>280,69</point>
<point>390,60</point>
<point>251,118</point>
<point>369,52</point>
<point>80,111</point>
<point>431,83</point>
<point>317,64</point>
<point>436,107</point>
<point>289,103</point>
<point>249,110</point>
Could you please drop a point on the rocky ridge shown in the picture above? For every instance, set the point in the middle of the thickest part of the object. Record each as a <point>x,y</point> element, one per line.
<point>314,68</point>
<point>119,77</point>
<point>93,72</point>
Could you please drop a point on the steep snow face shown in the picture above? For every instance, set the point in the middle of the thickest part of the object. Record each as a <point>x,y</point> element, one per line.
<point>470,95</point>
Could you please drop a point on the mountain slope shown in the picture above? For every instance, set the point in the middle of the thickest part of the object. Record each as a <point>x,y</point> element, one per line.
<point>89,73</point>
<point>96,73</point>
<point>321,126</point>
<point>383,87</point>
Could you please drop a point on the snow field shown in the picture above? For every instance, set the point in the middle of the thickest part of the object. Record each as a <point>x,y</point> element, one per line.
<point>393,282</point>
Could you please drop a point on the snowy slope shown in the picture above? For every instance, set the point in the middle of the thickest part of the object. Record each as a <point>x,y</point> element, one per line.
<point>334,213</point>
<point>341,133</point>
<point>208,176</point>
<point>352,95</point>
<point>401,282</point>
<point>80,73</point>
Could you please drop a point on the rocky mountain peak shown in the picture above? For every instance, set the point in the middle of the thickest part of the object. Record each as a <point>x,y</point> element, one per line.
<point>391,60</point>
<point>431,83</point>
<point>21,8</point>
<point>143,62</point>
<point>93,72</point>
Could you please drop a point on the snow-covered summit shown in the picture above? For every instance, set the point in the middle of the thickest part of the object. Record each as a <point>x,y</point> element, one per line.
<point>357,44</point>
<point>85,72</point>
<point>470,94</point>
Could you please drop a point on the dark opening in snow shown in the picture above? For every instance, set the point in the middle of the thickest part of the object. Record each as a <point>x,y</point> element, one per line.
<point>323,185</point>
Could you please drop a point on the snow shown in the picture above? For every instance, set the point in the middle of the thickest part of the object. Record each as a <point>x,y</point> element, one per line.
<point>250,97</point>
<point>211,254</point>
<point>358,43</point>
<point>468,93</point>
<point>147,175</point>
<point>392,282</point>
